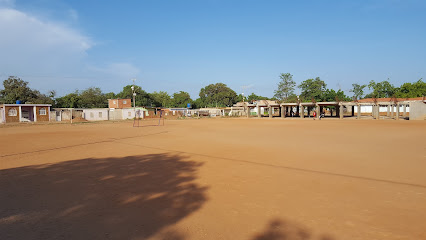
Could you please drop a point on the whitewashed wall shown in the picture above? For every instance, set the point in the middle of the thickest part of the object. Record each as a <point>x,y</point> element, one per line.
<point>115,114</point>
<point>369,109</point>
<point>96,114</point>
<point>128,113</point>
<point>2,117</point>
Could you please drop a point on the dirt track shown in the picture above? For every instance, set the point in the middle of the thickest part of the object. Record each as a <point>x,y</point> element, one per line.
<point>250,179</point>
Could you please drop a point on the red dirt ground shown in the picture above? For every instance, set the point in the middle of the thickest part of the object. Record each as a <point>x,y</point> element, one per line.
<point>250,179</point>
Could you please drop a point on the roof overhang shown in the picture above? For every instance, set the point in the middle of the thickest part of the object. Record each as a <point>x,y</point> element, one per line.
<point>327,103</point>
<point>26,105</point>
<point>307,104</point>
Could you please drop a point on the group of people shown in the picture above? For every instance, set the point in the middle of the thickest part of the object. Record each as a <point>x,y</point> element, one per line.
<point>322,114</point>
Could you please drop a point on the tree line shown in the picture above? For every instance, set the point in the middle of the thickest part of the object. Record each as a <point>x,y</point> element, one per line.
<point>212,95</point>
<point>316,90</point>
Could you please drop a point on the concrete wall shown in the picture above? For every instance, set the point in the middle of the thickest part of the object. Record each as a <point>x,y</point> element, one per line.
<point>115,114</point>
<point>401,109</point>
<point>96,114</point>
<point>122,114</point>
<point>52,116</point>
<point>1,115</point>
<point>369,109</point>
<point>178,112</point>
<point>237,111</point>
<point>66,115</point>
<point>418,110</point>
<point>77,114</point>
<point>212,111</point>
<point>364,109</point>
<point>129,113</point>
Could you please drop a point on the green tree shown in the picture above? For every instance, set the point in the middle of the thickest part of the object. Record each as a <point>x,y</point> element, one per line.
<point>181,99</point>
<point>71,100</point>
<point>382,89</point>
<point>291,98</point>
<point>218,95</point>
<point>285,87</point>
<point>161,99</point>
<point>16,89</point>
<point>40,98</point>
<point>330,95</point>
<point>198,103</point>
<point>412,90</point>
<point>110,95</point>
<point>93,98</point>
<point>240,97</point>
<point>142,97</point>
<point>312,89</point>
<point>89,98</point>
<point>358,90</point>
<point>253,97</point>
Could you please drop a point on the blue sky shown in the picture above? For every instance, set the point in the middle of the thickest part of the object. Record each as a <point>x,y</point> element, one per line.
<point>185,45</point>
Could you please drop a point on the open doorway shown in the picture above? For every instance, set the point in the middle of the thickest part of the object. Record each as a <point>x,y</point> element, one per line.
<point>27,114</point>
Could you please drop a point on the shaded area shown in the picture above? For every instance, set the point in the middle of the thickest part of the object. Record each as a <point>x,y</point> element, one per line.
<point>113,198</point>
<point>278,229</point>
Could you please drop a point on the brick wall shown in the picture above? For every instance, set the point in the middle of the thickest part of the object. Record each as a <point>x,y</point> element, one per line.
<point>151,114</point>
<point>111,103</point>
<point>42,118</point>
<point>10,119</point>
<point>124,103</point>
<point>119,103</point>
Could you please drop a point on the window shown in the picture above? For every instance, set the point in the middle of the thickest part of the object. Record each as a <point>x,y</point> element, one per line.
<point>100,114</point>
<point>12,112</point>
<point>114,102</point>
<point>42,111</point>
<point>124,102</point>
<point>92,115</point>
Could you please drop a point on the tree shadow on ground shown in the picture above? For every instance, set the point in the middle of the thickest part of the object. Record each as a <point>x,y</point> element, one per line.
<point>278,229</point>
<point>113,198</point>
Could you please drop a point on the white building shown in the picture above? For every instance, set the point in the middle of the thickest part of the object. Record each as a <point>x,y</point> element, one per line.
<point>96,114</point>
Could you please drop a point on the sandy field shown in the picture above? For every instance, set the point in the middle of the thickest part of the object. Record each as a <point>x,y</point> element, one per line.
<point>249,179</point>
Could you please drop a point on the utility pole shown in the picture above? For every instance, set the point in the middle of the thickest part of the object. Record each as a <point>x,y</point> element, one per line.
<point>134,95</point>
<point>244,106</point>
<point>244,88</point>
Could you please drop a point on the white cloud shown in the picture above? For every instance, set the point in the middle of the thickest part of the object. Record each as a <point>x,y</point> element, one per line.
<point>30,44</point>
<point>52,56</point>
